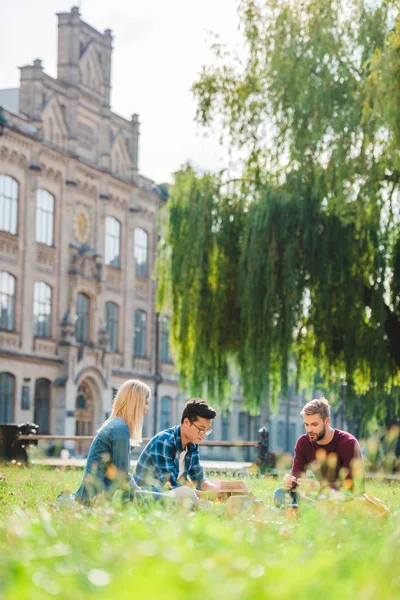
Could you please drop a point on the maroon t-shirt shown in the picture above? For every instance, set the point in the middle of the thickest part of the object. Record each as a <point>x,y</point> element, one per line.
<point>331,462</point>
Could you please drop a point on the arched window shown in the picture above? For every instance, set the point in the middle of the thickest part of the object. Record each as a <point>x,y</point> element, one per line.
<point>42,405</point>
<point>82,322</point>
<point>80,402</point>
<point>112,322</point>
<point>166,412</point>
<point>7,394</point>
<point>42,309</point>
<point>165,349</point>
<point>140,243</point>
<point>140,333</point>
<point>44,217</point>
<point>225,428</point>
<point>112,242</point>
<point>242,425</point>
<point>7,301</point>
<point>8,204</point>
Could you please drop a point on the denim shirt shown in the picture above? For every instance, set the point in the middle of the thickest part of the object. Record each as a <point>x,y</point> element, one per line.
<point>111,446</point>
<point>159,461</point>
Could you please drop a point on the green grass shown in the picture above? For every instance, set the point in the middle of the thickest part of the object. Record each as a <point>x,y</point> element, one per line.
<point>116,552</point>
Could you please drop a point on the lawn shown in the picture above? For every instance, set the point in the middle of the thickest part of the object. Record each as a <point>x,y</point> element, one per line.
<point>112,551</point>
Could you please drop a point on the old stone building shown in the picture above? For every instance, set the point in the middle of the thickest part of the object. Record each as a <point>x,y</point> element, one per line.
<point>78,235</point>
<point>77,246</point>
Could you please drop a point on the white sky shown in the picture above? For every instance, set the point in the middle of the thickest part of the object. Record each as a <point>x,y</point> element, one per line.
<point>159,48</point>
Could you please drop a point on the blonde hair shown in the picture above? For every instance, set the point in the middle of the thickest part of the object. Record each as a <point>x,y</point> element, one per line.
<point>129,405</point>
<point>319,406</point>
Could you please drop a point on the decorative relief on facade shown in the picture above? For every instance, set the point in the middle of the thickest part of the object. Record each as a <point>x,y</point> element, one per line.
<point>13,156</point>
<point>142,365</point>
<point>86,187</point>
<point>9,339</point>
<point>168,370</point>
<point>50,173</point>
<point>114,278</point>
<point>68,328</point>
<point>45,347</point>
<point>81,224</point>
<point>9,245</point>
<point>86,135</point>
<point>46,256</point>
<point>85,262</point>
<point>116,360</point>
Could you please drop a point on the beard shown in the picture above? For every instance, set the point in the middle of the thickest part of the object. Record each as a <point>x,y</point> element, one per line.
<point>319,436</point>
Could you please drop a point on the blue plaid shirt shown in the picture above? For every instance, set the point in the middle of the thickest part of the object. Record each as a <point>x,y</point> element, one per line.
<point>159,461</point>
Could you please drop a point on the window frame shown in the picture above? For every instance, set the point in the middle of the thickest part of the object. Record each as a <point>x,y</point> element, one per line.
<point>165,346</point>
<point>5,396</point>
<point>140,250</point>
<point>9,204</point>
<point>112,242</point>
<point>80,315</point>
<point>38,300</point>
<point>11,301</point>
<point>44,215</point>
<point>114,330</point>
<point>142,327</point>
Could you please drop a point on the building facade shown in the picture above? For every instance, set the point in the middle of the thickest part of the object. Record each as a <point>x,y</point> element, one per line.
<point>78,238</point>
<point>77,245</point>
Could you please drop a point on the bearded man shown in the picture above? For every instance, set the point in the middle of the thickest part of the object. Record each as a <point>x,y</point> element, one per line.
<point>334,456</point>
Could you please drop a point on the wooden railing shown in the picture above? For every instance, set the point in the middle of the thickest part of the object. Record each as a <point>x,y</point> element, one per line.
<point>89,438</point>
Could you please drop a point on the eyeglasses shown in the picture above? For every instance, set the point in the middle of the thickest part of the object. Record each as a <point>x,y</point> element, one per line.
<point>202,431</point>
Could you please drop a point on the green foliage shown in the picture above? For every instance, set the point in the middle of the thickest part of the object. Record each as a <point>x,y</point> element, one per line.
<point>300,257</point>
<point>110,552</point>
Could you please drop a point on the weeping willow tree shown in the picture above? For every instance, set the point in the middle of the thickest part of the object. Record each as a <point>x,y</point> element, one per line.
<point>300,257</point>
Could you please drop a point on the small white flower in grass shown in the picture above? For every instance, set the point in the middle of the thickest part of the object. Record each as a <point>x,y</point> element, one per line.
<point>256,571</point>
<point>98,577</point>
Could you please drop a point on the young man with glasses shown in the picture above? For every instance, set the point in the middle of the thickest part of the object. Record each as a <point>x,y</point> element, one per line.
<point>171,459</point>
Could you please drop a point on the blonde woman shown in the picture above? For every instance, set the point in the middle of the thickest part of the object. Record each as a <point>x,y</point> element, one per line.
<point>108,461</point>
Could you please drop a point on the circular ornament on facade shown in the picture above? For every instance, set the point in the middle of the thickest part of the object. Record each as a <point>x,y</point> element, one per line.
<point>81,224</point>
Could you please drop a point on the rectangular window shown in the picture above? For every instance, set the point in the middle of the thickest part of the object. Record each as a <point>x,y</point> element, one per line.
<point>44,217</point>
<point>8,204</point>
<point>7,301</point>
<point>112,242</point>
<point>42,309</point>
<point>140,333</point>
<point>242,426</point>
<point>82,323</point>
<point>112,320</point>
<point>165,349</point>
<point>140,244</point>
<point>225,428</point>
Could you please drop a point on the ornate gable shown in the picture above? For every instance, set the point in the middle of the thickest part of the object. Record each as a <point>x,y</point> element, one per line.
<point>55,129</point>
<point>121,162</point>
<point>90,69</point>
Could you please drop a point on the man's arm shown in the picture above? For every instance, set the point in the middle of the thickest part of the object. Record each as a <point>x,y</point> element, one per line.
<point>298,468</point>
<point>164,463</point>
<point>196,474</point>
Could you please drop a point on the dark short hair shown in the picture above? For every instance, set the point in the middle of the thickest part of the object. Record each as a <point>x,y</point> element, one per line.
<point>195,408</point>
